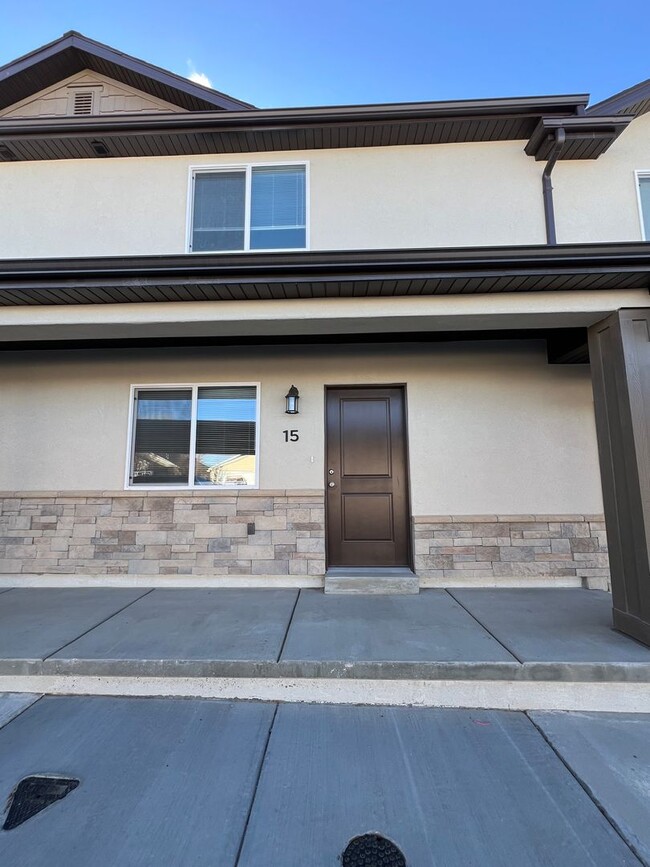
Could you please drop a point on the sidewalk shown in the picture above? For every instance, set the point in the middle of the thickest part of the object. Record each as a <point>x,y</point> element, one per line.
<point>291,780</point>
<point>545,649</point>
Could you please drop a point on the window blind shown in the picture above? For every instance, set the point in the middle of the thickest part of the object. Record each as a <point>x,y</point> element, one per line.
<point>278,207</point>
<point>162,436</point>
<point>225,429</point>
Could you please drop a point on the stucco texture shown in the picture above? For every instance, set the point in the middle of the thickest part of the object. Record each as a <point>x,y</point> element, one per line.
<point>468,194</point>
<point>409,196</point>
<point>596,200</point>
<point>492,427</point>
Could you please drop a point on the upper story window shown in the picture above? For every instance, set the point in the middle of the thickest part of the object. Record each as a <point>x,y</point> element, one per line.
<point>644,203</point>
<point>259,207</point>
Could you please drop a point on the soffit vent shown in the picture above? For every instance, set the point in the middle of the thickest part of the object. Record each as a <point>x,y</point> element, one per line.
<point>83,102</point>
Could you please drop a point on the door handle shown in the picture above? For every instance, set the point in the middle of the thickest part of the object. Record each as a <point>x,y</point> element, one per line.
<point>331,484</point>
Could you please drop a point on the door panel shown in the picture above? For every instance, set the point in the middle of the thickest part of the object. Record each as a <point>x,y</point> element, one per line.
<point>365,430</point>
<point>367,517</point>
<point>367,481</point>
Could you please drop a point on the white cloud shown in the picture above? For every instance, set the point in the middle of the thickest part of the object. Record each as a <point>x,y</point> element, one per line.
<point>198,77</point>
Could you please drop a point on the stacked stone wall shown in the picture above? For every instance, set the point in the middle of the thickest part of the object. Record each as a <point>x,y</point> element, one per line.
<point>501,547</point>
<point>163,533</point>
<point>278,532</point>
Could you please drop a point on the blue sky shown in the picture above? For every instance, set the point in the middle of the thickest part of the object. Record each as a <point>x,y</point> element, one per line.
<point>356,51</point>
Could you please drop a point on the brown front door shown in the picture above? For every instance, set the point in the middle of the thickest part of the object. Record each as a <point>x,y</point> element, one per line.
<point>366,477</point>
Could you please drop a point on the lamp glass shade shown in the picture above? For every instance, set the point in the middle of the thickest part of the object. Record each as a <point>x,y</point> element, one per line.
<point>292,397</point>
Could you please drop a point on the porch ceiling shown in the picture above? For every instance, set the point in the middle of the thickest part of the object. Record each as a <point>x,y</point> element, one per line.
<point>324,274</point>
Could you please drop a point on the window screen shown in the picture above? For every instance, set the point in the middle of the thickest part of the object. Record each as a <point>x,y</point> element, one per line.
<point>219,208</point>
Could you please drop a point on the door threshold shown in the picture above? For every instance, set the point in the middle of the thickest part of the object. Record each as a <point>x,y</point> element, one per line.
<point>372,580</point>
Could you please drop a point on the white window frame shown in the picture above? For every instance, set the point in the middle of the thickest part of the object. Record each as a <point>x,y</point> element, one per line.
<point>248,169</point>
<point>641,173</point>
<point>189,486</point>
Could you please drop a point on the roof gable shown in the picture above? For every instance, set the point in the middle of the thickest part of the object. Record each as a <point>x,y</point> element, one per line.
<point>108,97</point>
<point>72,53</point>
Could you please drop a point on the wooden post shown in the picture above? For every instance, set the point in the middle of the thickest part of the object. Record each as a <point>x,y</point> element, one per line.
<point>619,349</point>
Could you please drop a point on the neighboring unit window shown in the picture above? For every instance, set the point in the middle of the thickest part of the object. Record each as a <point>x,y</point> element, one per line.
<point>644,197</point>
<point>253,208</point>
<point>201,435</point>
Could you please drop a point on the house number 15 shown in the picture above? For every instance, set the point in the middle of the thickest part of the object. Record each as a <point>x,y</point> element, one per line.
<point>291,436</point>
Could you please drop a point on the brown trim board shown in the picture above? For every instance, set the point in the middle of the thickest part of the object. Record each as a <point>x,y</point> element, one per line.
<point>325,274</point>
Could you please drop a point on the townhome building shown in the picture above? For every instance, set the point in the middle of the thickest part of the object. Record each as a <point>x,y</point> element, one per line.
<point>373,348</point>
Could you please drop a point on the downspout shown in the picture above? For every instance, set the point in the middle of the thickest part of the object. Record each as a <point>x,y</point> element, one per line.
<point>547,186</point>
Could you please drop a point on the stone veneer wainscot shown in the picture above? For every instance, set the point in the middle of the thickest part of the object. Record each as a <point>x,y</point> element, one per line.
<point>502,547</point>
<point>163,532</point>
<point>274,532</point>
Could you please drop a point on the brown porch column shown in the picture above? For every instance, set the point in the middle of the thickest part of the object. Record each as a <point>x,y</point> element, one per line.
<point>619,349</point>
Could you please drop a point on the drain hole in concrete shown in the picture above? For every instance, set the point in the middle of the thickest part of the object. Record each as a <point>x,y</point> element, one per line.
<point>34,794</point>
<point>372,850</point>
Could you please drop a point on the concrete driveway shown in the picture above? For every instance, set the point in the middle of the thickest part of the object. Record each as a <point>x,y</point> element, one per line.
<point>200,782</point>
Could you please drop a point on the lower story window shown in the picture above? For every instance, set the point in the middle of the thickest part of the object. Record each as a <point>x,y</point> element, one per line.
<point>194,436</point>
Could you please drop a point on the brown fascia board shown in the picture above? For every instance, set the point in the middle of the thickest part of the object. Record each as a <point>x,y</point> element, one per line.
<point>279,129</point>
<point>328,274</point>
<point>586,137</point>
<point>73,52</point>
<point>161,122</point>
<point>634,101</point>
<point>280,265</point>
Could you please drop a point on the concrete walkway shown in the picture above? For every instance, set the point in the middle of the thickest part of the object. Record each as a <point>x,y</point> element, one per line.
<point>246,784</point>
<point>514,649</point>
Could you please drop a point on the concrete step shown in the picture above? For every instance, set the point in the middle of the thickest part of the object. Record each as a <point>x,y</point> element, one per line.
<point>518,649</point>
<point>362,580</point>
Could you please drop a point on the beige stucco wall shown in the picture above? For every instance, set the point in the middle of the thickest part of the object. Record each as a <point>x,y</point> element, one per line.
<point>506,310</point>
<point>596,200</point>
<point>492,427</point>
<point>427,196</point>
<point>486,193</point>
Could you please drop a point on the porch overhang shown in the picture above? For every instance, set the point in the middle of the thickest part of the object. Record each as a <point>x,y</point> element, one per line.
<point>325,274</point>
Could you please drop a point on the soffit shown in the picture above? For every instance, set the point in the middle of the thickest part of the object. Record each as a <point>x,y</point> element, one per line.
<point>587,137</point>
<point>271,130</point>
<point>634,101</point>
<point>324,274</point>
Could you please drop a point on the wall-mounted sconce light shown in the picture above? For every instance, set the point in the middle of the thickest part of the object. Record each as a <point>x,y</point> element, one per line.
<point>292,397</point>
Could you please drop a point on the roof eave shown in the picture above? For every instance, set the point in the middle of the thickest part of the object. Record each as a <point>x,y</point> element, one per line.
<point>282,129</point>
<point>245,276</point>
<point>634,101</point>
<point>586,137</point>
